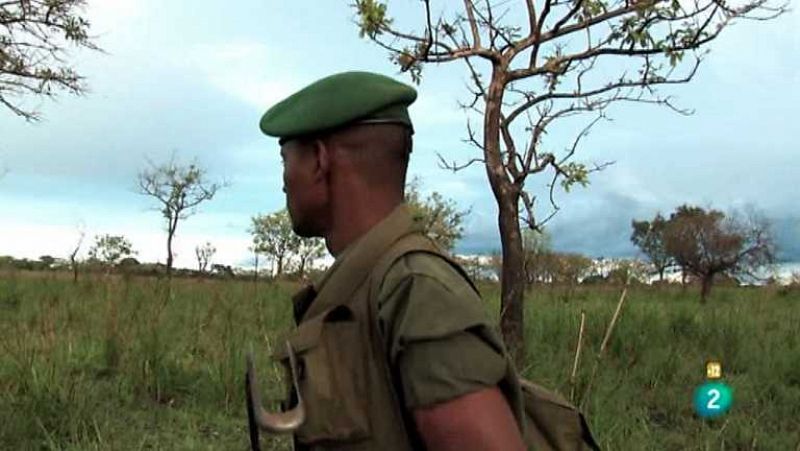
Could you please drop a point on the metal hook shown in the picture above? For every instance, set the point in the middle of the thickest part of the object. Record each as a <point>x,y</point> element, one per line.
<point>277,422</point>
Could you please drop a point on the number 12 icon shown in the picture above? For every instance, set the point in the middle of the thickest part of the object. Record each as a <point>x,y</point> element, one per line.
<point>712,399</point>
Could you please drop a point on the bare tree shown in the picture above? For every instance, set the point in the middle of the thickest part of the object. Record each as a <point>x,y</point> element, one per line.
<point>34,38</point>
<point>708,243</point>
<point>308,250</point>
<point>204,254</point>
<point>543,63</point>
<point>73,256</point>
<point>179,189</point>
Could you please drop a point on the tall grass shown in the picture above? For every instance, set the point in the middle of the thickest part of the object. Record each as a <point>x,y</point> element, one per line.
<point>119,363</point>
<point>130,363</point>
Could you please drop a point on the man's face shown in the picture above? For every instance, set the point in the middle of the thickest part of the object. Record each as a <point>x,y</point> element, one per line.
<point>304,188</point>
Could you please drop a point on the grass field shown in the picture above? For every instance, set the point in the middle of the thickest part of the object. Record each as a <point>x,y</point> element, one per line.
<point>126,363</point>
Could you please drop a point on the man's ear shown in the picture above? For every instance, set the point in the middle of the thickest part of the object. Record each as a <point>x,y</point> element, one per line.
<point>322,151</point>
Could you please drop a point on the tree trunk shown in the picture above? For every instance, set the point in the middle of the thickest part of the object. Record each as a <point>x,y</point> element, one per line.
<point>173,225</point>
<point>255,273</point>
<point>512,276</point>
<point>512,280</point>
<point>660,274</point>
<point>169,253</point>
<point>705,288</point>
<point>279,271</point>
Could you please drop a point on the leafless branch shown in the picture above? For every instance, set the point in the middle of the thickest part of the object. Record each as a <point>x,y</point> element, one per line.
<point>529,202</point>
<point>568,16</point>
<point>535,37</point>
<point>469,6</point>
<point>583,133</point>
<point>615,86</point>
<point>511,152</point>
<point>529,4</point>
<point>455,167</point>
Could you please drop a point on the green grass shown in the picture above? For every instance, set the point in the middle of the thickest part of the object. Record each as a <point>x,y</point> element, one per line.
<point>126,363</point>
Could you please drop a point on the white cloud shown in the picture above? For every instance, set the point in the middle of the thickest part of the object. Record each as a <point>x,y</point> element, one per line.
<point>108,15</point>
<point>435,110</point>
<point>244,69</point>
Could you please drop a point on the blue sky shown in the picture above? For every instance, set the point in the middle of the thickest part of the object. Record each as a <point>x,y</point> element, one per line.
<point>194,82</point>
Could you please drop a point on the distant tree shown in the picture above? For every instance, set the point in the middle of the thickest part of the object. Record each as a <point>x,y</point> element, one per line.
<point>204,254</point>
<point>73,256</point>
<point>538,252</point>
<point>128,262</point>
<point>648,236</point>
<point>571,268</point>
<point>223,270</point>
<point>252,248</point>
<point>178,189</point>
<point>441,220</point>
<point>628,271</point>
<point>47,260</point>
<point>34,38</point>
<point>110,249</point>
<point>274,238</point>
<point>706,243</point>
<point>308,250</point>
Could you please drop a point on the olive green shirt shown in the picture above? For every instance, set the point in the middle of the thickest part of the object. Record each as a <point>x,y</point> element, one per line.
<point>433,323</point>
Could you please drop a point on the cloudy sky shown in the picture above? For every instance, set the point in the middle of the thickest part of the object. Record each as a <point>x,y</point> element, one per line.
<point>194,81</point>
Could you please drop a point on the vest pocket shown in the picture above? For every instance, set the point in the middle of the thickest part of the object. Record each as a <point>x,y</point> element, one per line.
<point>331,361</point>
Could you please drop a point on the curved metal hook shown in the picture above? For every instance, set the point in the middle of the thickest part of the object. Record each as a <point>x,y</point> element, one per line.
<point>277,422</point>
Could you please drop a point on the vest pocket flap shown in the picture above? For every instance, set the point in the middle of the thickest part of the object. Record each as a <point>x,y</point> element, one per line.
<point>305,337</point>
<point>540,394</point>
<point>331,359</point>
<point>552,423</point>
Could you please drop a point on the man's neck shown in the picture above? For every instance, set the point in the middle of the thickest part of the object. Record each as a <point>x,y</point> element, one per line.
<point>354,221</point>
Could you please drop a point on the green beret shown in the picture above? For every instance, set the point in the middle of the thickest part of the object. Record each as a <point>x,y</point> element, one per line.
<point>339,100</point>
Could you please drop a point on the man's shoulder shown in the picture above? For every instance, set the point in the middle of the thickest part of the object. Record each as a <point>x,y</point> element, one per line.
<point>428,268</point>
<point>424,297</point>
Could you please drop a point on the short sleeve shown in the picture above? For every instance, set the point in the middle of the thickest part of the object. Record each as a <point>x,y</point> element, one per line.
<point>436,330</point>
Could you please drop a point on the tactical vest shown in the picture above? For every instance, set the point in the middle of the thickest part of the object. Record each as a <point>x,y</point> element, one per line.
<point>348,386</point>
<point>346,382</point>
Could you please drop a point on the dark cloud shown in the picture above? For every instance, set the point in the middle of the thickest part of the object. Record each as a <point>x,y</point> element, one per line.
<point>597,222</point>
<point>787,238</point>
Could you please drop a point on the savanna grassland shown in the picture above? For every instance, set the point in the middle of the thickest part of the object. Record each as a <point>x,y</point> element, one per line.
<point>128,363</point>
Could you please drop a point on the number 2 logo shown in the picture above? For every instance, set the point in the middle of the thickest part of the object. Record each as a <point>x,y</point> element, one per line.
<point>714,395</point>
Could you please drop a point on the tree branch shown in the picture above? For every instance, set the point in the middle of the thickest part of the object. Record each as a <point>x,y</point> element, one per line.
<point>473,25</point>
<point>643,83</point>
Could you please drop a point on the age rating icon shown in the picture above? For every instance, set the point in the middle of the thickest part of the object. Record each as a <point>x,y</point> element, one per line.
<point>714,398</point>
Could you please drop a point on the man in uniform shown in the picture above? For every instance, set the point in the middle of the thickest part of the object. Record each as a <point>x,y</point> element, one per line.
<point>395,348</point>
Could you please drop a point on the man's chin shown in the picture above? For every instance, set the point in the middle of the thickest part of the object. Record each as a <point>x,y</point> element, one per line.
<point>303,231</point>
